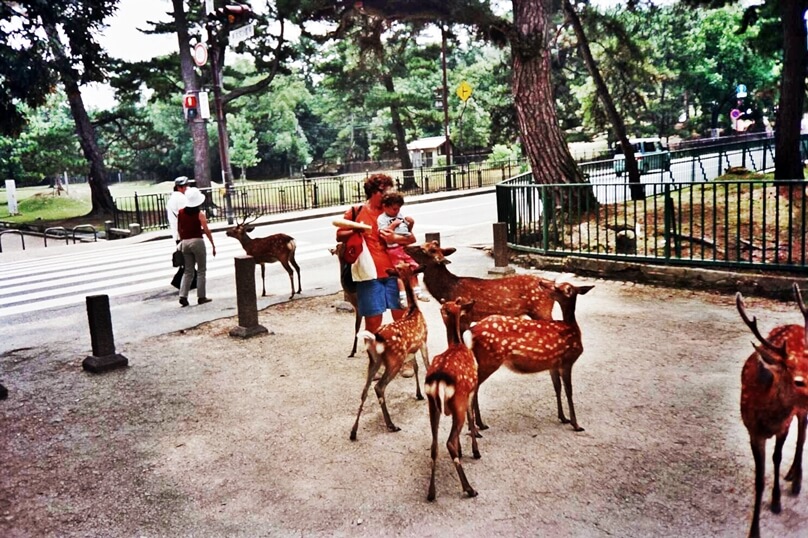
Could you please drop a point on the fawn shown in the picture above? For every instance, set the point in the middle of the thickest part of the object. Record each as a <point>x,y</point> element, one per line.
<point>518,295</point>
<point>774,390</point>
<point>529,346</point>
<point>450,385</point>
<point>270,249</point>
<point>349,296</point>
<point>392,345</point>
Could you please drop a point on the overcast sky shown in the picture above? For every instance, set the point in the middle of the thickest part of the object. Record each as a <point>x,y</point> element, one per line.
<point>123,40</point>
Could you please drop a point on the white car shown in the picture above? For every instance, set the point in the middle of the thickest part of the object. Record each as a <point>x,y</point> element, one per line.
<point>650,155</point>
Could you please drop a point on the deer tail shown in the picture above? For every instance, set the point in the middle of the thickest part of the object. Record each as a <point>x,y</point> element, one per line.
<point>441,387</point>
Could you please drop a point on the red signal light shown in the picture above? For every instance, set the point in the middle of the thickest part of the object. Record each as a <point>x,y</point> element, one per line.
<point>191,101</point>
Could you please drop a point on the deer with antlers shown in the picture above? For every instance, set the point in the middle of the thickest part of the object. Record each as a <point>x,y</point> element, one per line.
<point>528,346</point>
<point>450,385</point>
<point>392,345</point>
<point>774,390</point>
<point>270,249</point>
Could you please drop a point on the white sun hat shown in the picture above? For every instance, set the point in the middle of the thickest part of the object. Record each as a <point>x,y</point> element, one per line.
<point>194,197</point>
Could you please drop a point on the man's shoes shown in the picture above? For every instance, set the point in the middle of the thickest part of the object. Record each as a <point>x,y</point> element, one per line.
<point>423,298</point>
<point>183,301</point>
<point>203,300</point>
<point>408,370</point>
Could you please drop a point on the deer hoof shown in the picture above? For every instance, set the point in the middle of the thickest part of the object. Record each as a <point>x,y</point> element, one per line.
<point>393,428</point>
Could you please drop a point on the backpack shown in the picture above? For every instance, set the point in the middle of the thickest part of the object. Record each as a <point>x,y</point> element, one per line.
<point>354,244</point>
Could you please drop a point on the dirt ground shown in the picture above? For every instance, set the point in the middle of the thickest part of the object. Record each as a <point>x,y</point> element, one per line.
<point>207,435</point>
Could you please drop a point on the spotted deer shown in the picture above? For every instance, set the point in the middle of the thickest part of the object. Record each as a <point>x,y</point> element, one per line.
<point>528,346</point>
<point>392,346</point>
<point>270,249</point>
<point>517,295</point>
<point>774,390</point>
<point>450,385</point>
<point>349,296</point>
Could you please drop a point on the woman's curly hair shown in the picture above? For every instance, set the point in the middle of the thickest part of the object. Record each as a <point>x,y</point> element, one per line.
<point>377,183</point>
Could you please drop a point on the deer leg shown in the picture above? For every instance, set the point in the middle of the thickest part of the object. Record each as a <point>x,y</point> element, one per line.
<point>418,395</point>
<point>434,421</point>
<point>777,457</point>
<point>556,377</point>
<point>759,454</point>
<point>263,281</point>
<point>795,472</point>
<point>297,268</point>
<point>390,372</point>
<point>357,323</point>
<point>373,367</point>
<point>475,451</point>
<point>566,376</point>
<point>453,445</point>
<point>478,418</point>
<point>291,277</point>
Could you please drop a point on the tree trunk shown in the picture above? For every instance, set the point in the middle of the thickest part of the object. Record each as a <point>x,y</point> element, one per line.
<point>102,201</point>
<point>401,137</point>
<point>198,129</point>
<point>542,139</point>
<point>788,163</point>
<point>637,191</point>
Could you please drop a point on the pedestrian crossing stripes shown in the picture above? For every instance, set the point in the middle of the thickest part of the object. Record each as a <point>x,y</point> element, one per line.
<point>67,278</point>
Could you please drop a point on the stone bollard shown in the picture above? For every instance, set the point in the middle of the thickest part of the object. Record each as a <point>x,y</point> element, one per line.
<point>3,392</point>
<point>245,298</point>
<point>501,266</point>
<point>108,229</point>
<point>432,236</point>
<point>134,229</point>
<point>104,357</point>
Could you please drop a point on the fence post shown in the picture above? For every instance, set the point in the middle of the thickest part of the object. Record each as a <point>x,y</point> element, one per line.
<point>137,209</point>
<point>432,236</point>
<point>501,266</point>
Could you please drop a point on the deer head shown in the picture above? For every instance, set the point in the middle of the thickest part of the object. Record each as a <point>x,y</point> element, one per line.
<point>429,253</point>
<point>455,317</point>
<point>241,229</point>
<point>783,354</point>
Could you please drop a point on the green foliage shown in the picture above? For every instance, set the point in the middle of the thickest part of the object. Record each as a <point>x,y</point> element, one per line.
<point>244,145</point>
<point>46,148</point>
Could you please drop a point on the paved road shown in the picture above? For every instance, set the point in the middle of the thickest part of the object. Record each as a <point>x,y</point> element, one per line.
<point>43,291</point>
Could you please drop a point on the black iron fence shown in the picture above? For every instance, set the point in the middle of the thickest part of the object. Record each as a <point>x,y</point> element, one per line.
<point>281,196</point>
<point>729,224</point>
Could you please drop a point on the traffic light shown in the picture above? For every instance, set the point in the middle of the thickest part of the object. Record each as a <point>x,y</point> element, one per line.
<point>190,106</point>
<point>233,15</point>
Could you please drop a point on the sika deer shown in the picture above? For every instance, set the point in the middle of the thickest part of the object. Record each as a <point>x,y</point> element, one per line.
<point>774,390</point>
<point>349,296</point>
<point>270,249</point>
<point>518,295</point>
<point>392,345</point>
<point>450,385</point>
<point>528,346</point>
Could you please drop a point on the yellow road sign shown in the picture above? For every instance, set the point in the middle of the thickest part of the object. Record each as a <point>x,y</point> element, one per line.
<point>464,90</point>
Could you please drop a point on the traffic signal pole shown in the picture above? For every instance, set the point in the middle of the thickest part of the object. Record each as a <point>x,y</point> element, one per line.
<point>224,143</point>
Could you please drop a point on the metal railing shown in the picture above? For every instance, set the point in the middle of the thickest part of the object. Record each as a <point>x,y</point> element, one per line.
<point>281,196</point>
<point>749,224</point>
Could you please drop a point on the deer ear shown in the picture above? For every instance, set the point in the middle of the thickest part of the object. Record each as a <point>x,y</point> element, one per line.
<point>583,290</point>
<point>248,229</point>
<point>769,356</point>
<point>448,251</point>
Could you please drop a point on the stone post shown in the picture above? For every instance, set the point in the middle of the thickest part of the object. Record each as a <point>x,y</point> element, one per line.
<point>501,266</point>
<point>433,236</point>
<point>3,392</point>
<point>104,357</point>
<point>245,298</point>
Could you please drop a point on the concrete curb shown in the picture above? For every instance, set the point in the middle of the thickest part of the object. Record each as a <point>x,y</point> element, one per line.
<point>777,287</point>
